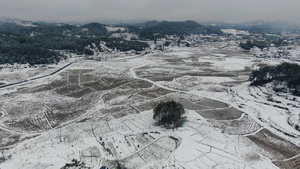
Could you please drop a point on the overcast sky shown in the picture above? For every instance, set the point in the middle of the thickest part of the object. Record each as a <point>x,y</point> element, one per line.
<point>199,10</point>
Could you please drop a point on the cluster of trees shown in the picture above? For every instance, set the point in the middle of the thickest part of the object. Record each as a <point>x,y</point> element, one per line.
<point>40,49</point>
<point>249,45</point>
<point>168,113</point>
<point>246,45</point>
<point>286,74</point>
<point>279,43</point>
<point>15,48</point>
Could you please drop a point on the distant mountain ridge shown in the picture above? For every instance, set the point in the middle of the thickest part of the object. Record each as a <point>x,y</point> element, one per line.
<point>41,43</point>
<point>263,27</point>
<point>9,19</point>
<point>178,28</point>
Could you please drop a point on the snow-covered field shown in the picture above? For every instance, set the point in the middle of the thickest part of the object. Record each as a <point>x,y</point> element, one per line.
<point>100,113</point>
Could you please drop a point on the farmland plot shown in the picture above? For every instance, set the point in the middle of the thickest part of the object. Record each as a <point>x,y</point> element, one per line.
<point>100,113</point>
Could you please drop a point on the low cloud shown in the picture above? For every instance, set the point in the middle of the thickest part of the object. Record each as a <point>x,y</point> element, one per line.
<point>99,10</point>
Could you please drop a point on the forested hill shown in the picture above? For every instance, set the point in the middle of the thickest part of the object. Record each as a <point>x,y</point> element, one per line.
<point>173,28</point>
<point>41,43</point>
<point>264,27</point>
<point>27,28</point>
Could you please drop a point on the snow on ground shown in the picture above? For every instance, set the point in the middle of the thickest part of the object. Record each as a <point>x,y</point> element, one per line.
<point>254,100</point>
<point>235,32</point>
<point>232,64</point>
<point>290,53</point>
<point>229,31</point>
<point>269,114</point>
<point>227,63</point>
<point>201,145</point>
<point>102,137</point>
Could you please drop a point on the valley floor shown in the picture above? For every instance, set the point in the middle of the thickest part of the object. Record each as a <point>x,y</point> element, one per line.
<point>100,113</point>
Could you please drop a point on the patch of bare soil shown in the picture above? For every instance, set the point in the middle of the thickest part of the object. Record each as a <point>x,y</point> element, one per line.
<point>273,146</point>
<point>80,93</point>
<point>97,85</point>
<point>293,163</point>
<point>174,60</point>
<point>38,117</point>
<point>74,78</point>
<point>162,78</point>
<point>262,64</point>
<point>88,78</point>
<point>64,111</point>
<point>7,139</point>
<point>59,118</point>
<point>213,103</point>
<point>77,71</point>
<point>54,84</point>
<point>24,108</point>
<point>58,83</point>
<point>233,83</point>
<point>211,73</point>
<point>28,124</point>
<point>65,90</point>
<point>199,64</point>
<point>191,106</point>
<point>155,93</point>
<point>138,84</point>
<point>107,83</point>
<point>221,114</point>
<point>40,88</point>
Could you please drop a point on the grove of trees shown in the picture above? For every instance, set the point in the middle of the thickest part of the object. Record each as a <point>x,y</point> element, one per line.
<point>167,113</point>
<point>285,74</point>
<point>246,45</point>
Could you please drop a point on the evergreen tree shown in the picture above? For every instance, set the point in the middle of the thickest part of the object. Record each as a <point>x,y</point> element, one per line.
<point>168,112</point>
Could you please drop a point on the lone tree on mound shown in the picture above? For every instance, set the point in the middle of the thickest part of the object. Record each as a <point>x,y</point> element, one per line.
<point>168,113</point>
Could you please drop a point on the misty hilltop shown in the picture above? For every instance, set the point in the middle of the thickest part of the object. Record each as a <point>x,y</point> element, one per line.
<point>178,28</point>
